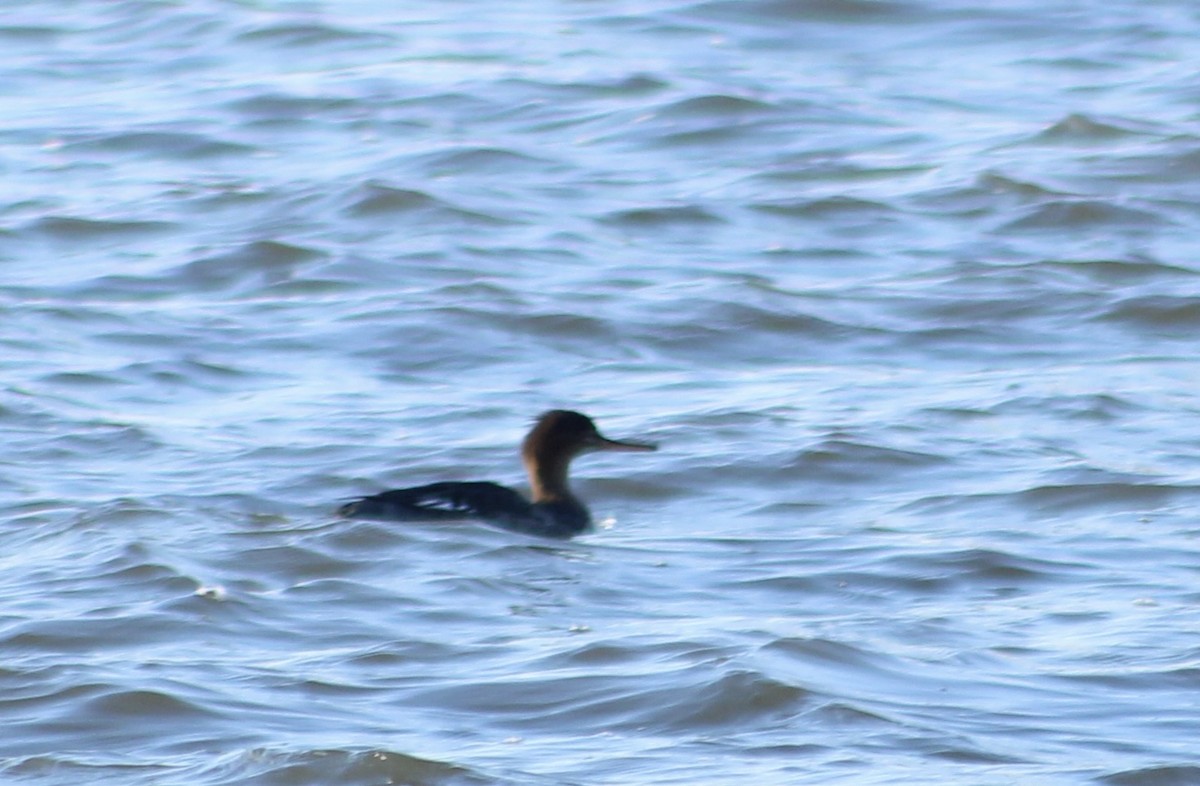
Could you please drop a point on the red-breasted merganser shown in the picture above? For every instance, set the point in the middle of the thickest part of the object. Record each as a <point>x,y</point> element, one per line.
<point>558,436</point>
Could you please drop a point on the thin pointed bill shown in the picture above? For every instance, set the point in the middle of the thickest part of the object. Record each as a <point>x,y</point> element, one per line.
<point>627,446</point>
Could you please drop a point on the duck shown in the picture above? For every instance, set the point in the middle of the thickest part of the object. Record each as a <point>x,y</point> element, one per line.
<point>551,511</point>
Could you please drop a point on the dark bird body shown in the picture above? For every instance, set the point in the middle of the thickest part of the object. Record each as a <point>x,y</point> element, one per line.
<point>553,512</point>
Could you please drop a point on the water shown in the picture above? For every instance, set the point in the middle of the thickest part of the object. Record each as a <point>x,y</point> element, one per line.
<point>907,291</point>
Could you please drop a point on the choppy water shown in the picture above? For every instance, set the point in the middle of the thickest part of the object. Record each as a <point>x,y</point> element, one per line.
<point>908,290</point>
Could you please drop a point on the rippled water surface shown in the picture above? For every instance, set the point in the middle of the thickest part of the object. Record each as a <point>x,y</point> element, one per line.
<point>907,290</point>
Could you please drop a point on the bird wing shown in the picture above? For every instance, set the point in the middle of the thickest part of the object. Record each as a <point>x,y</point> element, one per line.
<point>442,502</point>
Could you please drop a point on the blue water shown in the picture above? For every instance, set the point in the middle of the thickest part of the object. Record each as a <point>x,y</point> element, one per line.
<point>908,292</point>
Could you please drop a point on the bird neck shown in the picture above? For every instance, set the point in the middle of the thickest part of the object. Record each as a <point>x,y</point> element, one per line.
<point>548,478</point>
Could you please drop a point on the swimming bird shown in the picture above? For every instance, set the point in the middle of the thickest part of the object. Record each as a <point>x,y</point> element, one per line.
<point>557,437</point>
